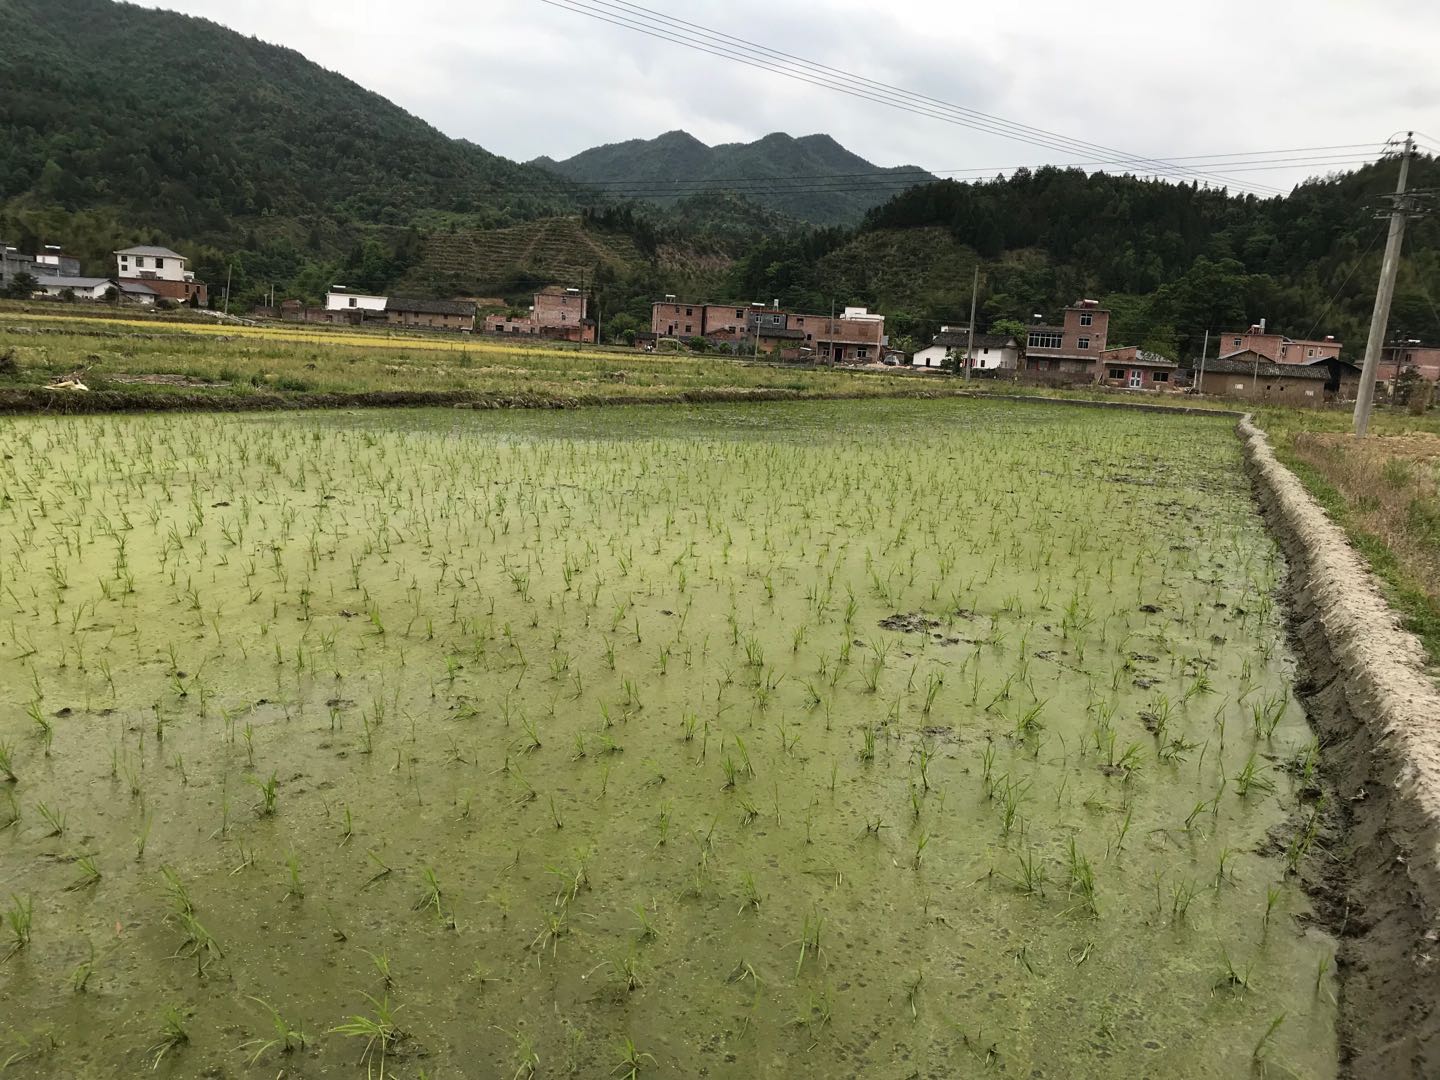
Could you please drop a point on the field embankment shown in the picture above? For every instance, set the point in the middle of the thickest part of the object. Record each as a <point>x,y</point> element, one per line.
<point>1375,707</point>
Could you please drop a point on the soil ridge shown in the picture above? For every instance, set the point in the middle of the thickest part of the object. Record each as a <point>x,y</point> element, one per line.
<point>1377,713</point>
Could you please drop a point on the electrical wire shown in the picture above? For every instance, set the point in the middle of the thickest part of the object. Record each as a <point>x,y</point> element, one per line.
<point>916,104</point>
<point>791,59</point>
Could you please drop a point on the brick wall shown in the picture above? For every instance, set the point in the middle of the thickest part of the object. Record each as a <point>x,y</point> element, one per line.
<point>559,309</point>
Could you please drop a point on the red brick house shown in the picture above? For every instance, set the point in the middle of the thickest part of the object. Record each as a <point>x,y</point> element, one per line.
<point>1073,346</point>
<point>1277,348</point>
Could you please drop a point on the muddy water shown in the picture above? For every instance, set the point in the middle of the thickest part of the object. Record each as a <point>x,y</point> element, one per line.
<point>858,739</point>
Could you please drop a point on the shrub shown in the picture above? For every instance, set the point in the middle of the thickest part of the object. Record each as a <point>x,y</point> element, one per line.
<point>9,365</point>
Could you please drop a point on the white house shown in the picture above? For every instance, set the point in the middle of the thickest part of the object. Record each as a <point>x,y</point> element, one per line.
<point>339,298</point>
<point>83,288</point>
<point>152,263</point>
<point>991,350</point>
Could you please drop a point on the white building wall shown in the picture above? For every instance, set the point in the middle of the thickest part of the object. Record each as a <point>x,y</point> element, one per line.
<point>933,357</point>
<point>166,267</point>
<point>348,301</point>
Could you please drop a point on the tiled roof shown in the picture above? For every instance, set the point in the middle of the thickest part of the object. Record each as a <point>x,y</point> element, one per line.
<point>145,249</point>
<point>1270,370</point>
<point>430,307</point>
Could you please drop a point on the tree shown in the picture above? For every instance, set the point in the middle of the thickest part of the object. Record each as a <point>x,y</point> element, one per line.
<point>1009,328</point>
<point>22,286</point>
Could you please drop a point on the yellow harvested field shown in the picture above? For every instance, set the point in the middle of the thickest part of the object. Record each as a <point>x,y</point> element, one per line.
<point>304,335</point>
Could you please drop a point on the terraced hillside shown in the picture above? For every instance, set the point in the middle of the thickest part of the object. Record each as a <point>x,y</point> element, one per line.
<point>512,260</point>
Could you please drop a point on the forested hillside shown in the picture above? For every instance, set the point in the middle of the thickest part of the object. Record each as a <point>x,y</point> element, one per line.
<point>1170,259</point>
<point>225,141</point>
<point>778,172</point>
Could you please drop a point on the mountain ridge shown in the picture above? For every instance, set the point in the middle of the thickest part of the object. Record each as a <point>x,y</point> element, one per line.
<point>812,178</point>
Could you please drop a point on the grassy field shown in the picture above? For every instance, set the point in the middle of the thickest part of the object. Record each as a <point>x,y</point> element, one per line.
<point>1385,492</point>
<point>846,738</point>
<point>141,362</point>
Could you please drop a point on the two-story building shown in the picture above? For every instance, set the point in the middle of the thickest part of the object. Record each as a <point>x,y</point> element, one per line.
<point>1074,345</point>
<point>561,312</point>
<point>857,334</point>
<point>162,271</point>
<point>1277,348</point>
<point>1395,359</point>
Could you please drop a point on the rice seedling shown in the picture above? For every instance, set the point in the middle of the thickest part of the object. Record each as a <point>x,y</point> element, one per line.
<point>267,789</point>
<point>89,874</point>
<point>377,1028</point>
<point>54,819</point>
<point>172,1036</point>
<point>632,1060</point>
<point>286,1038</point>
<point>19,917</point>
<point>658,568</point>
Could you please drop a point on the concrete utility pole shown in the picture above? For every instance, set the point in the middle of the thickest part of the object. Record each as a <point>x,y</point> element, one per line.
<point>1384,293</point>
<point>970,348</point>
<point>228,270</point>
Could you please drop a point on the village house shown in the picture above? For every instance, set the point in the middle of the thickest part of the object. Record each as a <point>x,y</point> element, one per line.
<point>1136,369</point>
<point>51,262</point>
<point>992,351</point>
<point>1248,374</point>
<point>558,313</point>
<point>1277,348</point>
<point>1395,359</point>
<point>856,335</point>
<point>1074,346</point>
<point>59,287</point>
<point>342,298</point>
<point>433,314</point>
<point>162,271</point>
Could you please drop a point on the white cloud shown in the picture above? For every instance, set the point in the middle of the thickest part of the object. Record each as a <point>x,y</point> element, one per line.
<point>524,78</point>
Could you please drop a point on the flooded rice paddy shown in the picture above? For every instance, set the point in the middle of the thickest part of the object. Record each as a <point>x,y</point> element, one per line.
<point>881,739</point>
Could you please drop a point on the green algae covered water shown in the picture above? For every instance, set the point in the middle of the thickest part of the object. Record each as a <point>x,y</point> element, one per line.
<point>880,739</point>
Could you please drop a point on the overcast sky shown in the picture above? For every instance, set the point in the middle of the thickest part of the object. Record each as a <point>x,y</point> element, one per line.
<point>523,78</point>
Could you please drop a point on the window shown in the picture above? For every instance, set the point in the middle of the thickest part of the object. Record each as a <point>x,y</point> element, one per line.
<point>687,328</point>
<point>739,314</point>
<point>1044,339</point>
<point>1237,342</point>
<point>139,260</point>
<point>1117,373</point>
<point>861,352</point>
<point>1086,318</point>
<point>799,322</point>
<point>1160,376</point>
<point>1082,343</point>
<point>689,312</point>
<point>352,301</point>
<point>1309,352</point>
<point>159,263</point>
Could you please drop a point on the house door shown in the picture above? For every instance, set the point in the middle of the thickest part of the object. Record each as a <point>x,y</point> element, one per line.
<point>1136,379</point>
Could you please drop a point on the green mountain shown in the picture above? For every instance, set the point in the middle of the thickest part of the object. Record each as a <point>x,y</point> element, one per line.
<point>223,140</point>
<point>812,178</point>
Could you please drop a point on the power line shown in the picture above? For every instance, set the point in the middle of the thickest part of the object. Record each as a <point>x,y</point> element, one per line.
<point>922,175</point>
<point>791,59</point>
<point>904,101</point>
<point>1351,273</point>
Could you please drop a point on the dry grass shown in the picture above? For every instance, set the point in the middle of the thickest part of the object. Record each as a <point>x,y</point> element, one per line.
<point>1390,486</point>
